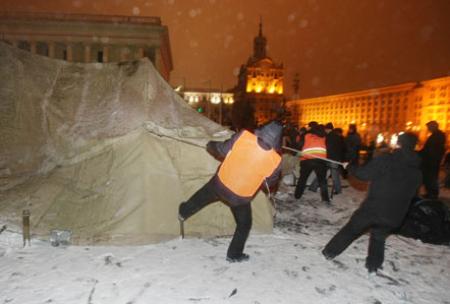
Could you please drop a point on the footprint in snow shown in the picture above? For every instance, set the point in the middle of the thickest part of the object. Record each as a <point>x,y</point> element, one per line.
<point>291,273</point>
<point>326,291</point>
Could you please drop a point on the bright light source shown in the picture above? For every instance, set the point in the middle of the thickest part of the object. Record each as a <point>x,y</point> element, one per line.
<point>215,99</point>
<point>380,138</point>
<point>393,141</point>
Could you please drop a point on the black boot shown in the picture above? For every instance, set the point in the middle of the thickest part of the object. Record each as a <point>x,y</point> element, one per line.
<point>328,255</point>
<point>237,259</point>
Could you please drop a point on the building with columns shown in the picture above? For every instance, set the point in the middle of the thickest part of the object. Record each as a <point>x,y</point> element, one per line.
<point>392,109</point>
<point>89,38</point>
<point>260,84</point>
<point>213,103</point>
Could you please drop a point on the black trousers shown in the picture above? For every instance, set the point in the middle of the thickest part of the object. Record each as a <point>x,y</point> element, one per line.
<point>320,168</point>
<point>242,215</point>
<point>431,181</point>
<point>359,223</point>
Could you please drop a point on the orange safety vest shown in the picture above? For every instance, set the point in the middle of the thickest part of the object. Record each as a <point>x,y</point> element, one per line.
<point>314,145</point>
<point>247,165</point>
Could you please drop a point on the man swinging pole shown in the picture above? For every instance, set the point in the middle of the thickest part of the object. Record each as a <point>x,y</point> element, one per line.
<point>247,161</point>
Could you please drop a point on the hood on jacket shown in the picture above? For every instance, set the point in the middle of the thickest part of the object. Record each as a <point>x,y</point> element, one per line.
<point>270,134</point>
<point>407,141</point>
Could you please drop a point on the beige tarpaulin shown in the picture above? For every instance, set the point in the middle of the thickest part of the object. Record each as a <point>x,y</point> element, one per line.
<point>107,151</point>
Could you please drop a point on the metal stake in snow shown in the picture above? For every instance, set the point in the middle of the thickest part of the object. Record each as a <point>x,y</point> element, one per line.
<point>181,220</point>
<point>26,226</point>
<point>313,156</point>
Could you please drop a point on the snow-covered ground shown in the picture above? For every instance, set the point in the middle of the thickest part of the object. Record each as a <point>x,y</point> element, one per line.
<point>285,267</point>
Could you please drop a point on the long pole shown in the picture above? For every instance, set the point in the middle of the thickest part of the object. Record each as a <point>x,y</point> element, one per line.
<point>313,156</point>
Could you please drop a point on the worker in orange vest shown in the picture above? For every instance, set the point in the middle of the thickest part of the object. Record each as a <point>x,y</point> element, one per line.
<point>249,160</point>
<point>313,146</point>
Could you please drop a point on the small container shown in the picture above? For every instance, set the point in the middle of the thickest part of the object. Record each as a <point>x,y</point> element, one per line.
<point>60,237</point>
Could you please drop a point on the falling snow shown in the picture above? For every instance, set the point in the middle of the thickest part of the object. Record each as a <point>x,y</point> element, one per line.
<point>136,11</point>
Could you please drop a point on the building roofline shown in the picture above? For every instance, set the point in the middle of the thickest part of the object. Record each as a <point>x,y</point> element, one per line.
<point>377,91</point>
<point>204,90</point>
<point>80,17</point>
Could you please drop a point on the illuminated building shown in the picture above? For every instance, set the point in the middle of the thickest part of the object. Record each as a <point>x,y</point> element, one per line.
<point>89,38</point>
<point>212,103</point>
<point>391,109</point>
<point>260,83</point>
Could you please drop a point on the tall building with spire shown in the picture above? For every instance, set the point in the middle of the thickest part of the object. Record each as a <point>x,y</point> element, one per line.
<point>259,92</point>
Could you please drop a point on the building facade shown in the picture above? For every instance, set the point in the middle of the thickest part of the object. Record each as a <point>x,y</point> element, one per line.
<point>389,110</point>
<point>89,38</point>
<point>260,83</point>
<point>213,103</point>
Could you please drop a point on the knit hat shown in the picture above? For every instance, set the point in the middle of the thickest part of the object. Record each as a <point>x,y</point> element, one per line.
<point>271,134</point>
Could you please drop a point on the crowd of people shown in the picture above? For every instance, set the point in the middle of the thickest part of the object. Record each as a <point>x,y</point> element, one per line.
<point>324,141</point>
<point>252,160</point>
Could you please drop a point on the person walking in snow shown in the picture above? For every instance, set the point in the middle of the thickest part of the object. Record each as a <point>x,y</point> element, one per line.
<point>313,145</point>
<point>335,151</point>
<point>249,160</point>
<point>432,153</point>
<point>394,179</point>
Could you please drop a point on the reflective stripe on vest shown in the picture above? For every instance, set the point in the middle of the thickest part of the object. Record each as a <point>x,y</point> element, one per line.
<point>314,146</point>
<point>247,165</point>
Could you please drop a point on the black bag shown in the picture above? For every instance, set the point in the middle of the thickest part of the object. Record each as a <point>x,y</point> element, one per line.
<point>427,220</point>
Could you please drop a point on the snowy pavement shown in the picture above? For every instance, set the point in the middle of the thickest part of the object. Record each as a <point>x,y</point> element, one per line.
<point>285,267</point>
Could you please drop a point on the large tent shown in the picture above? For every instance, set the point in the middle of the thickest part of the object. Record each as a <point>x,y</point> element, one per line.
<point>107,151</point>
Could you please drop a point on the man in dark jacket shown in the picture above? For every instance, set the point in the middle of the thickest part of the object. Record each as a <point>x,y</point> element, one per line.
<point>352,145</point>
<point>394,179</point>
<point>432,153</point>
<point>249,160</point>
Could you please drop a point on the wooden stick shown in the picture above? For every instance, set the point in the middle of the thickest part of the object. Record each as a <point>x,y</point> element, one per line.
<point>313,156</point>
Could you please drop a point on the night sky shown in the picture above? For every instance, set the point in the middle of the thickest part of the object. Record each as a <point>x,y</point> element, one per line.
<point>335,46</point>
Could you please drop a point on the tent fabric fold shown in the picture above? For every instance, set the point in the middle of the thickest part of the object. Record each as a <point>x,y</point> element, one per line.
<point>107,151</point>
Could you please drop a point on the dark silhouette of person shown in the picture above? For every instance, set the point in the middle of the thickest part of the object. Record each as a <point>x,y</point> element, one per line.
<point>394,179</point>
<point>432,153</point>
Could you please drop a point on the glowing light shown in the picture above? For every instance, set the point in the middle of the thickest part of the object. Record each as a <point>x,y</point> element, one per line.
<point>259,88</point>
<point>393,141</point>
<point>380,138</point>
<point>228,100</point>
<point>215,99</point>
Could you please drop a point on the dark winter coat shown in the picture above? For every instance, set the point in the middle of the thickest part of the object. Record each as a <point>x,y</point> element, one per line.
<point>268,138</point>
<point>335,146</point>
<point>394,179</point>
<point>352,146</point>
<point>433,151</point>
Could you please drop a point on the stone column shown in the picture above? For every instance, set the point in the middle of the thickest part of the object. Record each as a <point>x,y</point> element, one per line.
<point>158,60</point>
<point>69,53</point>
<point>87,53</point>
<point>33,48</point>
<point>51,49</point>
<point>105,54</point>
<point>140,53</point>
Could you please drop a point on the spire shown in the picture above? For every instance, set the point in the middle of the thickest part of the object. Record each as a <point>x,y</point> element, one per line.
<point>259,43</point>
<point>260,26</point>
